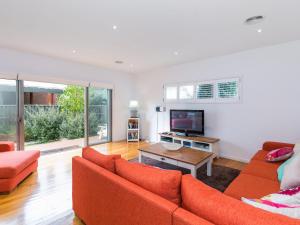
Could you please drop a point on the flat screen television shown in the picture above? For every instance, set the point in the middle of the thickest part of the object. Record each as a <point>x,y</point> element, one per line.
<point>187,122</point>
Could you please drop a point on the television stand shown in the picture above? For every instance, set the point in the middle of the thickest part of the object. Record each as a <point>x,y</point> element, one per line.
<point>202,143</point>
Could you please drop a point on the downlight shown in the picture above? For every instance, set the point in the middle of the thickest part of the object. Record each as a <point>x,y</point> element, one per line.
<point>254,20</point>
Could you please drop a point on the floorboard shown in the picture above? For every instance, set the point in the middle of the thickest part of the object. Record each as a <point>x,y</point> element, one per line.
<point>45,197</point>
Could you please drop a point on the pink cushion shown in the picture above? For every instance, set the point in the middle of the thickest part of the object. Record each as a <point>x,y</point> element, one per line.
<point>279,154</point>
<point>14,162</point>
<point>105,161</point>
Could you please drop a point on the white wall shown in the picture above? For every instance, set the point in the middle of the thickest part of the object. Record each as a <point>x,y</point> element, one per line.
<point>15,62</point>
<point>270,106</point>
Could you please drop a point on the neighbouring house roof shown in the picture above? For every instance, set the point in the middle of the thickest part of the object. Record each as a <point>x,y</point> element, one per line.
<point>9,88</point>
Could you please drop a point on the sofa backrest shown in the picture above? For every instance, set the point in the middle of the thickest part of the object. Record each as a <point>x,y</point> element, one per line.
<point>165,183</point>
<point>102,197</point>
<point>220,209</point>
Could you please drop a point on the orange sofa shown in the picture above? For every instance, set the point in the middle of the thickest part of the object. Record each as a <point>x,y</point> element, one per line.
<point>101,197</point>
<point>258,178</point>
<point>15,166</point>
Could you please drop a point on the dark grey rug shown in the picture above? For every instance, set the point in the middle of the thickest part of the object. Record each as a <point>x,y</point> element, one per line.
<point>220,179</point>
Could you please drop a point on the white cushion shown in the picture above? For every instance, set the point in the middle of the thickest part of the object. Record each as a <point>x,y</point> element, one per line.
<point>285,202</point>
<point>291,174</point>
<point>297,148</point>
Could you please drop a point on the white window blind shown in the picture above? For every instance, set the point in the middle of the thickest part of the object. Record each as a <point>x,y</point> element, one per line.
<point>186,92</point>
<point>171,92</point>
<point>205,91</point>
<point>228,89</point>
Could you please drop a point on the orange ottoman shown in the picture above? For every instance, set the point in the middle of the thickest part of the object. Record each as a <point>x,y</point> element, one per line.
<point>6,146</point>
<point>15,166</point>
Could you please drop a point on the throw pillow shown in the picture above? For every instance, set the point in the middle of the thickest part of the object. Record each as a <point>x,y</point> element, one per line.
<point>291,174</point>
<point>105,161</point>
<point>280,169</point>
<point>279,154</point>
<point>297,148</point>
<point>286,202</point>
<point>165,183</point>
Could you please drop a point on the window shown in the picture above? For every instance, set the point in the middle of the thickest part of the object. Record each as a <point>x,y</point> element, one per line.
<point>227,89</point>
<point>213,91</point>
<point>205,91</point>
<point>171,92</point>
<point>186,92</point>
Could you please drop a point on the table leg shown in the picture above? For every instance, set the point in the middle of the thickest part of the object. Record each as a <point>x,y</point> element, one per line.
<point>194,172</point>
<point>140,157</point>
<point>209,167</point>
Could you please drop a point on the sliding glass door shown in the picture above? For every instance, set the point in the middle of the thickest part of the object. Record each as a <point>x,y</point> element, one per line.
<point>8,110</point>
<point>51,117</point>
<point>99,115</point>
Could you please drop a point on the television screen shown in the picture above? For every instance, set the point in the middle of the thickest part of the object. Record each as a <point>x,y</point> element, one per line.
<point>187,121</point>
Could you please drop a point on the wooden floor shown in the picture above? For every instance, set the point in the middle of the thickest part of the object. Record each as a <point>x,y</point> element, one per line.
<point>45,197</point>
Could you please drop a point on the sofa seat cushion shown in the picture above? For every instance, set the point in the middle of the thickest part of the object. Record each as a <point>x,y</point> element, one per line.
<point>14,162</point>
<point>249,186</point>
<point>220,209</point>
<point>266,170</point>
<point>105,161</point>
<point>165,183</point>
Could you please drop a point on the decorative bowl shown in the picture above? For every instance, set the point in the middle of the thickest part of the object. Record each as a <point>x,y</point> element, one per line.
<point>172,146</point>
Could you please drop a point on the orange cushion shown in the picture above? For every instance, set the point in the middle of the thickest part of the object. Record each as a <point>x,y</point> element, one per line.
<point>165,183</point>
<point>263,169</point>
<point>250,186</point>
<point>220,209</point>
<point>7,146</point>
<point>14,162</point>
<point>105,161</point>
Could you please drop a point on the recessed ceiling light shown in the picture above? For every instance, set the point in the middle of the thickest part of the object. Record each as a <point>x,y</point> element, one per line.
<point>74,51</point>
<point>259,30</point>
<point>254,20</point>
<point>176,53</point>
<point>115,27</point>
<point>119,62</point>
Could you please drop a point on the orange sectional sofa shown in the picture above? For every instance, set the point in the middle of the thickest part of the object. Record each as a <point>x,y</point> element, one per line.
<point>106,197</point>
<point>258,178</point>
<point>15,166</point>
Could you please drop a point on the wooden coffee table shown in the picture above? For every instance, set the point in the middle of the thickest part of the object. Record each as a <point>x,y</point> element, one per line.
<point>184,157</point>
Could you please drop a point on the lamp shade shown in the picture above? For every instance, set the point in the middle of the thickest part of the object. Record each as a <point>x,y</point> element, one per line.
<point>133,104</point>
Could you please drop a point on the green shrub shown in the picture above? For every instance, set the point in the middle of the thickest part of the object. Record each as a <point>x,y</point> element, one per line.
<point>43,125</point>
<point>72,126</point>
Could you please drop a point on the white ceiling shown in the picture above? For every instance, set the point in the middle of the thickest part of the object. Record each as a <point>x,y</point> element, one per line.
<point>149,31</point>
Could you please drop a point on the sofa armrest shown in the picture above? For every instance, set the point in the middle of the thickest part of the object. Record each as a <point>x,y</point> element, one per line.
<point>271,145</point>
<point>101,197</point>
<point>6,146</point>
<point>184,217</point>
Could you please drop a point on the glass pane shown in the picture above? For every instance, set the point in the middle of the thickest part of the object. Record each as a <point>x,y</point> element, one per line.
<point>8,110</point>
<point>186,92</point>
<point>171,93</point>
<point>99,115</point>
<point>53,116</point>
<point>205,91</point>
<point>227,89</point>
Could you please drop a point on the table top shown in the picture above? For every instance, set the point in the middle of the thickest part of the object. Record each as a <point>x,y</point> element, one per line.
<point>184,154</point>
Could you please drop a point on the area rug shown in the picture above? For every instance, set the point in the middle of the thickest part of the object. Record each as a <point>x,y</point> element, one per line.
<point>220,179</point>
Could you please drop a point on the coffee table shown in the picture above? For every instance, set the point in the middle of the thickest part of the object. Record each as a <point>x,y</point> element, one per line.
<point>184,157</point>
